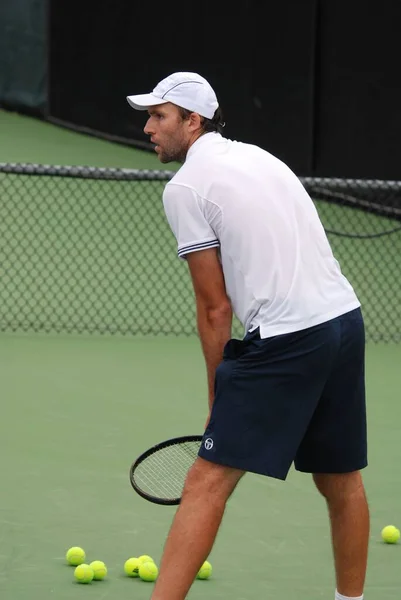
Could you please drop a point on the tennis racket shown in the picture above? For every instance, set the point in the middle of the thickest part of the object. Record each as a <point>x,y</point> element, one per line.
<point>159,474</point>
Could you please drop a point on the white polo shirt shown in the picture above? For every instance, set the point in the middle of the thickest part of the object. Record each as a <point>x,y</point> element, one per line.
<point>279,269</point>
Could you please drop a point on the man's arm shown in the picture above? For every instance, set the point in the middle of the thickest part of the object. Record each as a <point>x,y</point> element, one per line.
<point>213,309</point>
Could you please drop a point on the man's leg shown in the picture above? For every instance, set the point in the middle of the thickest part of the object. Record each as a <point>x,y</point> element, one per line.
<point>349,519</point>
<point>194,528</point>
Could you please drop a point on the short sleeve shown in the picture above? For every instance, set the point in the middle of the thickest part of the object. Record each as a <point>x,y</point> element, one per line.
<point>185,214</point>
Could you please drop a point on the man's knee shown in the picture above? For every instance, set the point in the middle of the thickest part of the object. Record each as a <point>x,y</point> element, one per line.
<point>339,486</point>
<point>210,479</point>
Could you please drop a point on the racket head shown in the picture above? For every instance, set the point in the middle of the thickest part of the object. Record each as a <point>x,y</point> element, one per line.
<point>158,474</point>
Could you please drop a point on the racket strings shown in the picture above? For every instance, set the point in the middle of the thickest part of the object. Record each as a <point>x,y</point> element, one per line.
<point>163,473</point>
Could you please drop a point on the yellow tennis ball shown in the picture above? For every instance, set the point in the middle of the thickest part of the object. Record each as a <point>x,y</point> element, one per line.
<point>148,571</point>
<point>83,573</point>
<point>145,558</point>
<point>75,556</point>
<point>131,567</point>
<point>390,534</point>
<point>205,571</point>
<point>99,569</point>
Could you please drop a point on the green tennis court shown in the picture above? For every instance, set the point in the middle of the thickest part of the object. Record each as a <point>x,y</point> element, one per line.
<point>77,409</point>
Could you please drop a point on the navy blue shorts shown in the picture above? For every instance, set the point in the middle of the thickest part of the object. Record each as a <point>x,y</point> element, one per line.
<point>294,398</point>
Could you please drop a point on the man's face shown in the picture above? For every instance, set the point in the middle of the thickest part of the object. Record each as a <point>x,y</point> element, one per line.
<point>169,132</point>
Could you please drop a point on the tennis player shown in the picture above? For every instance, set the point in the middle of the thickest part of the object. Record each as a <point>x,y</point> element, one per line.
<point>292,391</point>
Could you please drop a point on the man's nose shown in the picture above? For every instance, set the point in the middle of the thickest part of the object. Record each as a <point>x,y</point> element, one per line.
<point>148,129</point>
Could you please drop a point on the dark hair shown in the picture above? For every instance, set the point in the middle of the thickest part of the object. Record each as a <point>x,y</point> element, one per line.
<point>216,123</point>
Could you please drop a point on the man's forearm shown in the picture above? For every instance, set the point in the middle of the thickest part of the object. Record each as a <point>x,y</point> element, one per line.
<point>214,327</point>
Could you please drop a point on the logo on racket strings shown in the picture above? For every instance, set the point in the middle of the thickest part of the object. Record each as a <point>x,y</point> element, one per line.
<point>208,444</point>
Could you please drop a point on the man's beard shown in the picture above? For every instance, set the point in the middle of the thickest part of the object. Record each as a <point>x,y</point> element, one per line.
<point>173,155</point>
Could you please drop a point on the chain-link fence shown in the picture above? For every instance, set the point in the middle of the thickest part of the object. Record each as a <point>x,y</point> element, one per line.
<point>88,250</point>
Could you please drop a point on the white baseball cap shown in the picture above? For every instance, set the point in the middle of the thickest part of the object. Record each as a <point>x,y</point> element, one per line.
<point>187,90</point>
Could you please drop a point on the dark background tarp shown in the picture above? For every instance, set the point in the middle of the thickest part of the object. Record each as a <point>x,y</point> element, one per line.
<point>358,116</point>
<point>23,56</point>
<point>262,69</point>
<point>315,82</point>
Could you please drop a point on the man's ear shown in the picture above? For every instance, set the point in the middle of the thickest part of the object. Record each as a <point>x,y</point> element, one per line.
<point>195,121</point>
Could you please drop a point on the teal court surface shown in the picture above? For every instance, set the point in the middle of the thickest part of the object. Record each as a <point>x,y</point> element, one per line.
<point>76,410</point>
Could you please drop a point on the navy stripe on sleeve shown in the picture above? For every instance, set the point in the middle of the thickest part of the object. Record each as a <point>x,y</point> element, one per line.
<point>200,246</point>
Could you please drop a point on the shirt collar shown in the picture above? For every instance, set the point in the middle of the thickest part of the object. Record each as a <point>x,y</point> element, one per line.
<point>205,140</point>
